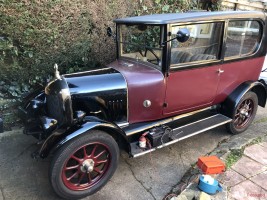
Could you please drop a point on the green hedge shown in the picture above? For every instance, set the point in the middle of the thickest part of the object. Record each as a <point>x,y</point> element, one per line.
<point>36,34</point>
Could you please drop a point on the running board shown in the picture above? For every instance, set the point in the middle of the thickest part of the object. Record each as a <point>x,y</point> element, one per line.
<point>184,132</point>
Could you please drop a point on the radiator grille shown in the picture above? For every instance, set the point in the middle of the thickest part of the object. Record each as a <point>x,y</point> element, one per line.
<point>116,109</point>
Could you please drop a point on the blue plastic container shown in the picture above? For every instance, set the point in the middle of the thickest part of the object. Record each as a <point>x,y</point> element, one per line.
<point>209,186</point>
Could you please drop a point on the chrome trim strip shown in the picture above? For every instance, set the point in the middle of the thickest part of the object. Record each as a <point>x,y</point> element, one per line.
<point>194,63</point>
<point>197,22</point>
<point>123,124</point>
<point>168,120</point>
<point>182,138</point>
<point>88,71</point>
<point>190,113</point>
<point>195,122</point>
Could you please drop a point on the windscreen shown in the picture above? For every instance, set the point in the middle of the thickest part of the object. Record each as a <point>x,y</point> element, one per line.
<point>142,42</point>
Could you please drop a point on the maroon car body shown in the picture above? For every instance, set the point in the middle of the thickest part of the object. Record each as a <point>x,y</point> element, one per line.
<point>145,82</point>
<point>176,75</point>
<point>140,88</point>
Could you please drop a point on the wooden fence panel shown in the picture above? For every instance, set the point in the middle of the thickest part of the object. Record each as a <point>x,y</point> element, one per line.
<point>244,5</point>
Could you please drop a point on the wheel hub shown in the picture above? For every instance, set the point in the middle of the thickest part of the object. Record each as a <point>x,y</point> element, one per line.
<point>87,166</point>
<point>244,112</point>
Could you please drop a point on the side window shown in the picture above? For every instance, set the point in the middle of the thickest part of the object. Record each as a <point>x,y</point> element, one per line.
<point>242,38</point>
<point>203,44</point>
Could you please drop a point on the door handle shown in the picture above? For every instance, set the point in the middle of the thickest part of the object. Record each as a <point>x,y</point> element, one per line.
<point>220,71</point>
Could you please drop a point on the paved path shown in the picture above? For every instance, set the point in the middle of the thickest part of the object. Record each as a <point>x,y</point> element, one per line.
<point>146,178</point>
<point>247,178</point>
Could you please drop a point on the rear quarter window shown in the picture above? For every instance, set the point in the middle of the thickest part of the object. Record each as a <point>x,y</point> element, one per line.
<point>242,38</point>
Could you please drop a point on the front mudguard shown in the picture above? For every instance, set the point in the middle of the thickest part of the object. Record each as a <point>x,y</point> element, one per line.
<point>230,104</point>
<point>57,139</point>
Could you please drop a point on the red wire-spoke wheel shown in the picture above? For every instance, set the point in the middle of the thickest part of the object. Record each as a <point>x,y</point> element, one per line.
<point>83,165</point>
<point>86,166</point>
<point>244,113</point>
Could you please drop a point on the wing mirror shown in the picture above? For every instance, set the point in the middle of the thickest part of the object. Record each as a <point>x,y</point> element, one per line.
<point>183,35</point>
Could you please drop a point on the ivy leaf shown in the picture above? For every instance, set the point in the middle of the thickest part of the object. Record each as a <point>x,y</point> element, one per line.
<point>166,8</point>
<point>12,88</point>
<point>144,8</point>
<point>16,51</point>
<point>30,54</point>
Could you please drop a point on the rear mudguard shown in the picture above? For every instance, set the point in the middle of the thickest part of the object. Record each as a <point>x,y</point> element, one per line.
<point>57,139</point>
<point>230,104</point>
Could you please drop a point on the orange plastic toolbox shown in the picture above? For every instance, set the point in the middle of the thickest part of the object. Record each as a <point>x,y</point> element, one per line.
<point>211,165</point>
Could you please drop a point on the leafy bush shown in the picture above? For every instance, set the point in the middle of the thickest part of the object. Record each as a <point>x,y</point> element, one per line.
<point>175,6</point>
<point>165,6</point>
<point>33,36</point>
<point>36,34</point>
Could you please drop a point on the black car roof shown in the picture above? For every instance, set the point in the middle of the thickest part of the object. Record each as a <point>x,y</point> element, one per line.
<point>189,17</point>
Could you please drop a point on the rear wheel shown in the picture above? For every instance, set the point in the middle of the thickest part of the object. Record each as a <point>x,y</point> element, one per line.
<point>84,165</point>
<point>244,113</point>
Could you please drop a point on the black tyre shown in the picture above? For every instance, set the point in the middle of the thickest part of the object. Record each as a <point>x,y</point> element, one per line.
<point>84,165</point>
<point>244,113</point>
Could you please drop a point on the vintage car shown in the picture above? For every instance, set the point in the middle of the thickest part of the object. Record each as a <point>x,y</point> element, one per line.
<point>176,75</point>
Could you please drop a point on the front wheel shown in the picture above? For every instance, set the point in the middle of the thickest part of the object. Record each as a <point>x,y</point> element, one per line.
<point>244,113</point>
<point>84,165</point>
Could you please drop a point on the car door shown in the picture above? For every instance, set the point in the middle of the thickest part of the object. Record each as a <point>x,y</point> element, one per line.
<point>194,71</point>
<point>241,61</point>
